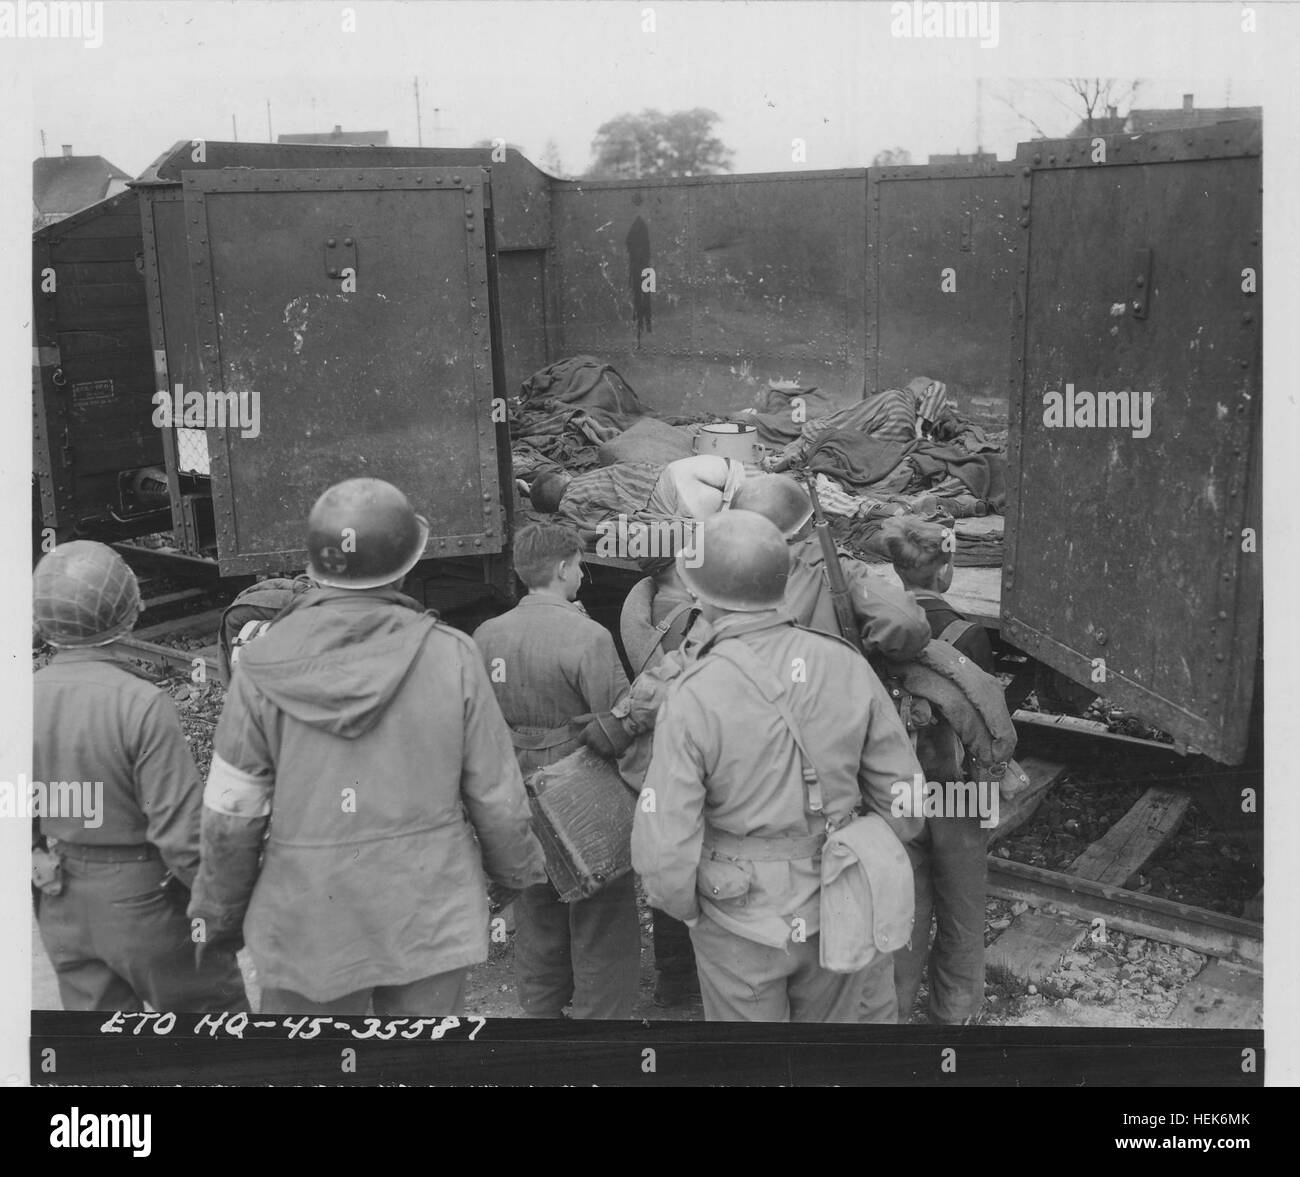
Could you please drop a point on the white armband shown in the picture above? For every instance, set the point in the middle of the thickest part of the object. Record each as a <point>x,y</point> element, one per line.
<point>235,793</point>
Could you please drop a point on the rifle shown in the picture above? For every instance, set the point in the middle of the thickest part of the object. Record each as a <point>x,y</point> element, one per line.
<point>840,597</point>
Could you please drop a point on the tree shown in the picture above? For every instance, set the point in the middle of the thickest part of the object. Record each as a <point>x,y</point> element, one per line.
<point>655,144</point>
<point>892,157</point>
<point>1085,100</point>
<point>550,161</point>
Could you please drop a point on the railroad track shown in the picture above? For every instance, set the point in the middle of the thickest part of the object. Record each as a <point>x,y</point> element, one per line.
<point>145,644</point>
<point>1064,906</point>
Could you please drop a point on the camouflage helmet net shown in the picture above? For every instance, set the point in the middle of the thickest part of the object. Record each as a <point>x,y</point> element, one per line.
<point>84,595</point>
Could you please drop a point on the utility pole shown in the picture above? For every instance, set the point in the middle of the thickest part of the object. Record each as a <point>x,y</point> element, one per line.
<point>234,128</point>
<point>979,117</point>
<point>419,134</point>
<point>270,135</point>
<point>42,144</point>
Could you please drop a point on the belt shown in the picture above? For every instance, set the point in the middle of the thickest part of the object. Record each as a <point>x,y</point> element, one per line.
<point>535,739</point>
<point>142,852</point>
<point>785,849</point>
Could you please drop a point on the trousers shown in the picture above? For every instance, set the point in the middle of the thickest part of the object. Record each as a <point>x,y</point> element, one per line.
<point>119,941</point>
<point>441,995</point>
<point>588,952</point>
<point>674,956</point>
<point>951,878</point>
<point>744,981</point>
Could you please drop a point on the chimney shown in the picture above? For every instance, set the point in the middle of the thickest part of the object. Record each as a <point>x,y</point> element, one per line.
<point>1112,112</point>
<point>67,151</point>
<point>338,127</point>
<point>1187,104</point>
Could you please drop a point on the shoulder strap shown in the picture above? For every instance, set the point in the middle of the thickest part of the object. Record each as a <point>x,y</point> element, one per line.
<point>662,630</point>
<point>742,658</point>
<point>954,631</point>
<point>735,476</point>
<point>831,637</point>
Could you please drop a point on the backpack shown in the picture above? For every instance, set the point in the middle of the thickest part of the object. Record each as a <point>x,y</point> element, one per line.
<point>251,613</point>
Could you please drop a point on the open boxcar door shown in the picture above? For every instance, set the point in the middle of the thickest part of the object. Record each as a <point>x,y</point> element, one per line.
<point>1133,544</point>
<point>350,311</point>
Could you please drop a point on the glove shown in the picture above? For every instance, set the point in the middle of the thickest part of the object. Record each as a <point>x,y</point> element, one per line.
<point>605,734</point>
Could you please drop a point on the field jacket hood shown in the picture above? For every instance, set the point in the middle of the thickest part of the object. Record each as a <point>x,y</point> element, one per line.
<point>353,661</point>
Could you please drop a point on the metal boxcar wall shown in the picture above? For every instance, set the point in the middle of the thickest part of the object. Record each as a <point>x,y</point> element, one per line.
<point>942,243</point>
<point>350,308</point>
<point>755,277</point>
<point>1128,546</point>
<point>93,374</point>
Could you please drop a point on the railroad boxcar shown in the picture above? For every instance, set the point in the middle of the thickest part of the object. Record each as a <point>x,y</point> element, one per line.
<point>351,294</point>
<point>1114,268</point>
<point>1133,559</point>
<point>97,461</point>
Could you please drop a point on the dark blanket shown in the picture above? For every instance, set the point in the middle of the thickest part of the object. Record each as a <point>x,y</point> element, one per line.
<point>582,381</point>
<point>568,409</point>
<point>855,459</point>
<point>776,422</point>
<point>858,461</point>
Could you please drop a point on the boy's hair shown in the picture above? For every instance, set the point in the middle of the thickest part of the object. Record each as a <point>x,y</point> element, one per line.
<point>539,547</point>
<point>547,490</point>
<point>916,548</point>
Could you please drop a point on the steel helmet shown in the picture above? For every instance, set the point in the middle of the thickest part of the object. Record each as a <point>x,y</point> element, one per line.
<point>84,595</point>
<point>778,498</point>
<point>363,533</point>
<point>743,563</point>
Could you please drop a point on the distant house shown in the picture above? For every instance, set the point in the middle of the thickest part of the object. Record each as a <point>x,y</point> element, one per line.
<point>1139,121</point>
<point>65,184</point>
<point>337,136</point>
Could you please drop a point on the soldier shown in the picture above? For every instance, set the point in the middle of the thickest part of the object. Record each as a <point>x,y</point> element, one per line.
<point>549,664</point>
<point>772,734</point>
<point>365,735</point>
<point>657,615</point>
<point>951,863</point>
<point>112,879</point>
<point>892,623</point>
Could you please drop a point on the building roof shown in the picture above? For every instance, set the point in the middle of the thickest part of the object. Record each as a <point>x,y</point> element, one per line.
<point>338,135</point>
<point>1140,121</point>
<point>65,184</point>
<point>1101,125</point>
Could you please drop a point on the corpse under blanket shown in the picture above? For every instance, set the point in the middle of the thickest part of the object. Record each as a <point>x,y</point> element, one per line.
<point>584,381</point>
<point>858,461</point>
<point>566,410</point>
<point>862,536</point>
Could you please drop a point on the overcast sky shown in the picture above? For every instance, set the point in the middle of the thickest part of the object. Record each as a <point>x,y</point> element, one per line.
<point>830,74</point>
